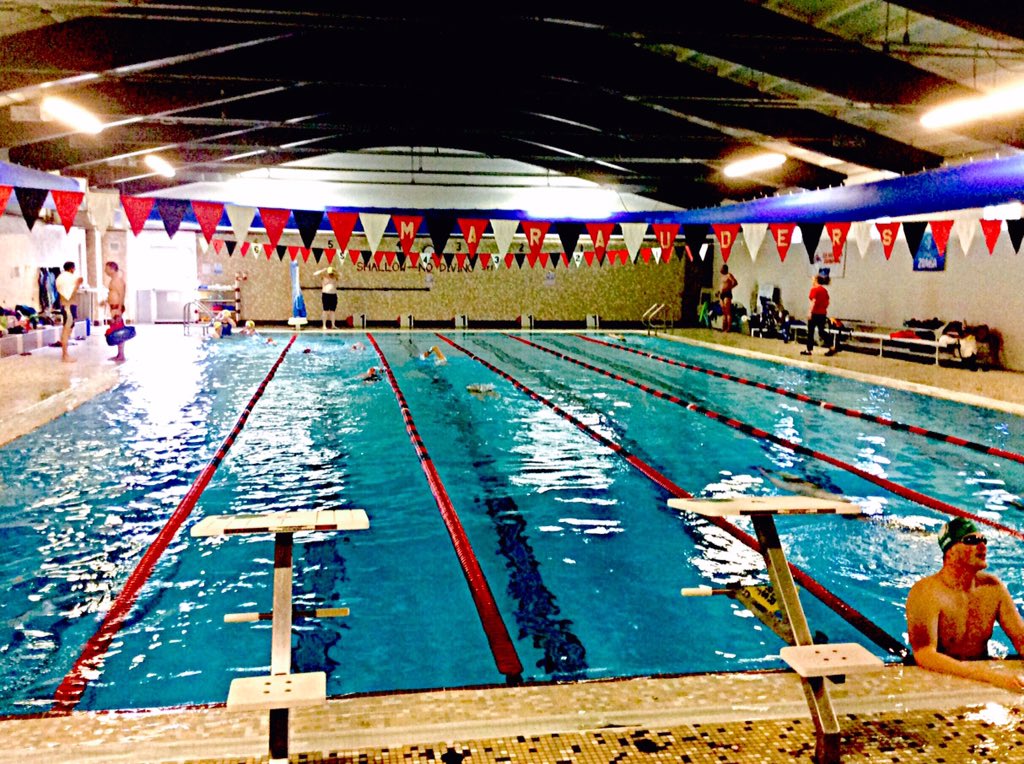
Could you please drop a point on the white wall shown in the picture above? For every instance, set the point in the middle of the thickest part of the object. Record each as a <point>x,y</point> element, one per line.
<point>976,288</point>
<point>22,254</point>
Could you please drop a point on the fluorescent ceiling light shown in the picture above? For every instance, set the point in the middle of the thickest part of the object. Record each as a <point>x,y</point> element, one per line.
<point>159,165</point>
<point>754,164</point>
<point>998,103</point>
<point>71,114</point>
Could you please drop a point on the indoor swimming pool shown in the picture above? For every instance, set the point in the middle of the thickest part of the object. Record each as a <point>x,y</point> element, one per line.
<point>556,452</point>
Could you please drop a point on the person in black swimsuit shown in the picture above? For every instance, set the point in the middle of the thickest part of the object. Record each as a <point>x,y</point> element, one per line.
<point>725,297</point>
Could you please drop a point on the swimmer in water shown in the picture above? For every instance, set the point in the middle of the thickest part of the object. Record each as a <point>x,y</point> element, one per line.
<point>481,391</point>
<point>372,375</point>
<point>796,484</point>
<point>249,330</point>
<point>435,351</point>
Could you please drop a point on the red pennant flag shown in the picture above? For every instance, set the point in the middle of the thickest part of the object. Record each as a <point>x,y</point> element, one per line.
<point>208,215</point>
<point>726,234</point>
<point>887,232</point>
<point>406,226</point>
<point>66,202</point>
<point>267,250</point>
<point>5,196</point>
<point>535,232</point>
<point>436,259</point>
<point>472,231</point>
<point>293,252</point>
<point>940,232</point>
<point>218,245</point>
<point>783,235</point>
<point>531,258</point>
<point>377,257</point>
<point>544,259</point>
<point>666,234</point>
<point>244,249</point>
<point>646,253</point>
<point>589,257</point>
<point>342,224</point>
<point>485,259</point>
<point>305,254</point>
<point>137,209</point>
<point>837,233</point>
<point>509,259</point>
<point>390,257</point>
<point>329,253</point>
<point>991,229</point>
<point>460,260</point>
<point>414,259</point>
<point>600,233</point>
<point>354,256</point>
<point>274,222</point>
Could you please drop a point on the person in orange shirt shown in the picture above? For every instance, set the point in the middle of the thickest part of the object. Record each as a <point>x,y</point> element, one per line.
<point>818,318</point>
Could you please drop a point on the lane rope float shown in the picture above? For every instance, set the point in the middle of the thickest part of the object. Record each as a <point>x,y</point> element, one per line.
<point>505,656</point>
<point>853,413</point>
<point>844,610</point>
<point>89,663</point>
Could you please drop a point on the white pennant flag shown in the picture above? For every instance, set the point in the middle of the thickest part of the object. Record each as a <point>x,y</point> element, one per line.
<point>100,208</point>
<point>577,258</point>
<point>703,251</point>
<point>966,228</point>
<point>373,226</point>
<point>241,219</point>
<point>753,235</point>
<point>504,232</point>
<point>633,234</point>
<point>204,245</point>
<point>860,232</point>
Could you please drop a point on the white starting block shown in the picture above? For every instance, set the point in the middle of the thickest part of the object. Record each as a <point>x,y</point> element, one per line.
<point>837,659</point>
<point>281,690</point>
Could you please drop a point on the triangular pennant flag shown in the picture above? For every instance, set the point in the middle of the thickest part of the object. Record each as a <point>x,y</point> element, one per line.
<point>860,232</point>
<point>449,260</point>
<point>600,234</point>
<point>5,196</point>
<point>304,251</point>
<point>589,257</point>
<point>67,204</point>
<point>888,233</point>
<point>633,234</point>
<point>460,260</point>
<point>940,233</point>
<point>753,237</point>
<point>308,222</point>
<point>666,234</point>
<point>666,254</point>
<point>204,246</point>
<point>811,233</point>
<point>244,249</point>
<point>240,219</point>
<point>373,226</point>
<point>1016,230</point>
<point>966,228</point>
<point>645,254</point>
<point>485,260</point>
<point>390,257</point>
<point>520,258</point>
<point>330,253</point>
<point>569,235</point>
<point>218,245</point>
<point>354,256</point>
<point>401,258</point>
<point>439,229</point>
<point>318,253</point>
<point>837,234</point>
<point>531,258</point>
<point>435,258</point>
<point>414,259</point>
<point>208,215</point>
<point>991,229</point>
<point>377,257</point>
<point>365,257</point>
<point>137,209</point>
<point>619,256</point>
<point>914,232</point>
<point>509,259</point>
<point>100,208</point>
<point>342,223</point>
<point>274,221</point>
<point>406,227</point>
<point>504,231</point>
<point>544,259</point>
<point>782,233</point>
<point>231,244</point>
<point>293,252</point>
<point>726,234</point>
<point>535,231</point>
<point>172,212</point>
<point>472,231</point>
<point>267,249</point>
<point>281,250</point>
<point>695,234</point>
<point>31,201</point>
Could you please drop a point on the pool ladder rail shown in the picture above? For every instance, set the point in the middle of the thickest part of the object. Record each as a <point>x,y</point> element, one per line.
<point>281,690</point>
<point>656,318</point>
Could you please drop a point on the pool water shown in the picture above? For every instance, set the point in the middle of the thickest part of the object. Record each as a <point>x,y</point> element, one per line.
<point>583,556</point>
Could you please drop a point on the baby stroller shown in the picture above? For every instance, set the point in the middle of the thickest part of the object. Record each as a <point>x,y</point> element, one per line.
<point>770,319</point>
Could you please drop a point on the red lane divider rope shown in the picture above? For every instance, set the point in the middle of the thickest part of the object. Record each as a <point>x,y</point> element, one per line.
<point>901,490</point>
<point>854,413</point>
<point>90,661</point>
<point>844,610</point>
<point>505,656</point>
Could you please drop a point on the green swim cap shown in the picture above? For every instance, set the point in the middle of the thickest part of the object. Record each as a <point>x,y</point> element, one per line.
<point>954,531</point>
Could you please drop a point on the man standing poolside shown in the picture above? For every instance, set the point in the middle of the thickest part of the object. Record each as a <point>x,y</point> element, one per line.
<point>67,287</point>
<point>951,614</point>
<point>115,302</point>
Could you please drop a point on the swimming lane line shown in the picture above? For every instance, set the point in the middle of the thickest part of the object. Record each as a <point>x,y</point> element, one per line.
<point>854,413</point>
<point>89,662</point>
<point>844,610</point>
<point>900,490</point>
<point>505,656</point>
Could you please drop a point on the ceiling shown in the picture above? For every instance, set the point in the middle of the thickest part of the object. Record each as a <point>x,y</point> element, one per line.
<point>647,98</point>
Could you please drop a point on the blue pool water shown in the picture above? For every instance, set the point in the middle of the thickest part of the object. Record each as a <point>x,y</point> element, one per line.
<point>580,550</point>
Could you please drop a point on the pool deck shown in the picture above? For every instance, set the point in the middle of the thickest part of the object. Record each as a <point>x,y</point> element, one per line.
<point>900,714</point>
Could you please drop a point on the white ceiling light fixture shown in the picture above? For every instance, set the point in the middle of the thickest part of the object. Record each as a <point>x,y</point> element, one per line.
<point>998,103</point>
<point>71,114</point>
<point>754,164</point>
<point>159,165</point>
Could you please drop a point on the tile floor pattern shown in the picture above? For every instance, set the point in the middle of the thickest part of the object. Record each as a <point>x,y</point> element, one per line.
<point>929,737</point>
